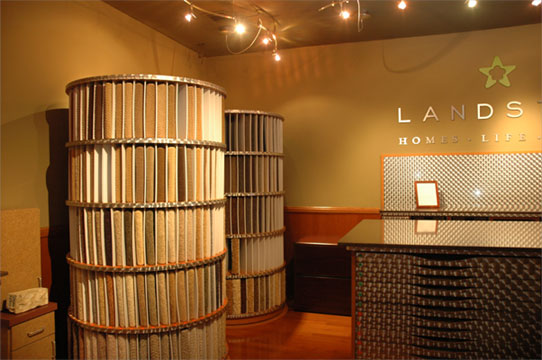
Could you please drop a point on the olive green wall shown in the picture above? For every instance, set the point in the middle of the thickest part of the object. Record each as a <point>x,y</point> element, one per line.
<point>45,45</point>
<point>341,104</point>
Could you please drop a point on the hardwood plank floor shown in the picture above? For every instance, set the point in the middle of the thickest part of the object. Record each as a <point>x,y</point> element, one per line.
<point>296,335</point>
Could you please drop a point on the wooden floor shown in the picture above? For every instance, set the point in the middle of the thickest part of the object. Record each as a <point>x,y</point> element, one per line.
<point>296,335</point>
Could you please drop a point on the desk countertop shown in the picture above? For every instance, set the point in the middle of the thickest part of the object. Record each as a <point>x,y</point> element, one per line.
<point>446,233</point>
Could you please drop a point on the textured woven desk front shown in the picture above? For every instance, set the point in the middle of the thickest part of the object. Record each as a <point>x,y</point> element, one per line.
<point>428,304</point>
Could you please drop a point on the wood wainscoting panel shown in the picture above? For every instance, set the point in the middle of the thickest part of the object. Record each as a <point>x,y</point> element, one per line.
<point>321,224</point>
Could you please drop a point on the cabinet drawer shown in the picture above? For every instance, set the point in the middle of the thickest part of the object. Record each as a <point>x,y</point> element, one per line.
<point>32,330</point>
<point>322,294</point>
<point>41,349</point>
<point>322,260</point>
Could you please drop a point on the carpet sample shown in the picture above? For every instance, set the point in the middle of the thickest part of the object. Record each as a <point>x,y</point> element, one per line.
<point>98,112</point>
<point>149,174</point>
<point>139,237</point>
<point>161,174</point>
<point>131,296</point>
<point>108,110</point>
<point>150,110</point>
<point>141,299</point>
<point>161,110</point>
<point>138,110</point>
<point>163,299</point>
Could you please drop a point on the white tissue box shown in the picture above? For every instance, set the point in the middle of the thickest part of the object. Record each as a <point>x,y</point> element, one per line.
<point>21,301</point>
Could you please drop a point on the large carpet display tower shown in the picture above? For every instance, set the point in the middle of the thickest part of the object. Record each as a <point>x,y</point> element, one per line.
<point>254,215</point>
<point>146,198</point>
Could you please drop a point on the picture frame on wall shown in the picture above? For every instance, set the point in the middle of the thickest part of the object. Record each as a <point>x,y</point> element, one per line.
<point>427,196</point>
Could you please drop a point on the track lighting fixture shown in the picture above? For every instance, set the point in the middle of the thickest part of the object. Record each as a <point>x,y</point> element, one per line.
<point>536,2</point>
<point>472,3</point>
<point>240,28</point>
<point>344,13</point>
<point>190,15</point>
<point>402,5</point>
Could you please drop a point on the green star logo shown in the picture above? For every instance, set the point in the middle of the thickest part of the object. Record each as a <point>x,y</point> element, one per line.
<point>497,67</point>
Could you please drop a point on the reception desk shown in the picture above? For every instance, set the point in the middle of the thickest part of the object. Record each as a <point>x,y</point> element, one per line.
<point>446,289</point>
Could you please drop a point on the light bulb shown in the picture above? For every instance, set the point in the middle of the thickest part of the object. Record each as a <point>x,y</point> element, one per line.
<point>471,3</point>
<point>188,17</point>
<point>402,5</point>
<point>266,40</point>
<point>536,2</point>
<point>240,28</point>
<point>276,56</point>
<point>345,14</point>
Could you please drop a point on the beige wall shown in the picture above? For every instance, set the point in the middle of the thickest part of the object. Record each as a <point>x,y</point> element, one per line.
<point>45,45</point>
<point>341,104</point>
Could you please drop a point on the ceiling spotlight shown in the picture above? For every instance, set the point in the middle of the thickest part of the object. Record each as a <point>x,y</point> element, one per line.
<point>471,3</point>
<point>402,5</point>
<point>189,16</point>
<point>536,2</point>
<point>240,28</point>
<point>266,40</point>
<point>345,14</point>
<point>276,56</point>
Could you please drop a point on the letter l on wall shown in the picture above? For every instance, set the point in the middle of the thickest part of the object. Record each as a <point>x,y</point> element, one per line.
<point>399,117</point>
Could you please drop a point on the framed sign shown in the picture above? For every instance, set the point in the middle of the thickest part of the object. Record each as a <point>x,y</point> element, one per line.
<point>426,194</point>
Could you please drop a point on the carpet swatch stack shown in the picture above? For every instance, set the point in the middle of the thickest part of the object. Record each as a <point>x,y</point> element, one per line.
<point>254,213</point>
<point>146,202</point>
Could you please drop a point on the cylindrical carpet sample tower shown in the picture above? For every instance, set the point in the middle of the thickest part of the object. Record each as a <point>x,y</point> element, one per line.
<point>254,214</point>
<point>147,207</point>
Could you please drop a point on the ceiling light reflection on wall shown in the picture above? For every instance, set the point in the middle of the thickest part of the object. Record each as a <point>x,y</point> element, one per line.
<point>402,5</point>
<point>471,3</point>
<point>536,2</point>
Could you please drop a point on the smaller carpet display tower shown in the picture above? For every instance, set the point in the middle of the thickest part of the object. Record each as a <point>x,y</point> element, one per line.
<point>254,215</point>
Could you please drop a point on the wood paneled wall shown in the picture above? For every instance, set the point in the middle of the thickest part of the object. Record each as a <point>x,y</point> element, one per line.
<point>318,224</point>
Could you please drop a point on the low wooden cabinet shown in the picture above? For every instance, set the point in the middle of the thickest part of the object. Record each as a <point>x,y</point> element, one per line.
<point>322,278</point>
<point>29,335</point>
